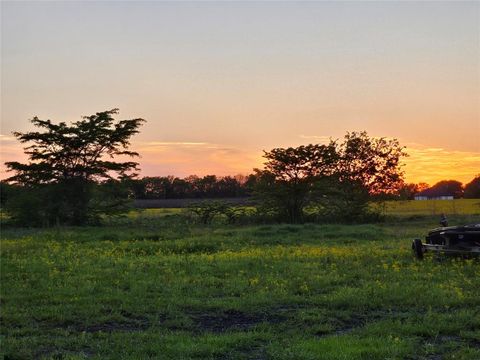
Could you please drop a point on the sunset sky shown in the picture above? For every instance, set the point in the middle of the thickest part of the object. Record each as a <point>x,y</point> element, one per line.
<point>218,82</point>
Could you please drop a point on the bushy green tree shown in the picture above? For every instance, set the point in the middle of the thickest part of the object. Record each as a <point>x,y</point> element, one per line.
<point>290,179</point>
<point>206,211</point>
<point>67,162</point>
<point>337,179</point>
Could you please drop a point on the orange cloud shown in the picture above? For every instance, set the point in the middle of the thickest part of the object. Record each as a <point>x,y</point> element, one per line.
<point>424,164</point>
<point>199,158</point>
<point>430,165</point>
<point>317,139</point>
<point>183,158</point>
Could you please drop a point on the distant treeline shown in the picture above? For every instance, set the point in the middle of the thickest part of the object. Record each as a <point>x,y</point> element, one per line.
<point>239,186</point>
<point>454,188</point>
<point>190,187</point>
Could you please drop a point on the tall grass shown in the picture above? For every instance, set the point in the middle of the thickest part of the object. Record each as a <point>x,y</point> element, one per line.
<point>156,287</point>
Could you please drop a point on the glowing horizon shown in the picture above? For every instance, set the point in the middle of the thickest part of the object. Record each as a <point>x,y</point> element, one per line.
<point>162,158</point>
<point>219,82</point>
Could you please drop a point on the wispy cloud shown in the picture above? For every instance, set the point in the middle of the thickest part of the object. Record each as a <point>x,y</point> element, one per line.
<point>173,143</point>
<point>182,158</point>
<point>7,138</point>
<point>9,145</point>
<point>163,146</point>
<point>432,164</point>
<point>319,139</point>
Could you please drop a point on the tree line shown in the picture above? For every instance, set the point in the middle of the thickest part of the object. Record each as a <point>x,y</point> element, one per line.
<point>73,176</point>
<point>190,187</point>
<point>455,188</point>
<point>240,186</point>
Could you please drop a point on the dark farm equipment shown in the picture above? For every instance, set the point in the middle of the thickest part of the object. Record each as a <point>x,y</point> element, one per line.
<point>461,240</point>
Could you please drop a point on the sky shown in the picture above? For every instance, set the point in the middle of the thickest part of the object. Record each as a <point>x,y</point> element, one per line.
<point>219,82</point>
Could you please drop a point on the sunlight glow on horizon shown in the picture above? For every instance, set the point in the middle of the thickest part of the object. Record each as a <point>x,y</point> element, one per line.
<point>181,159</point>
<point>218,82</point>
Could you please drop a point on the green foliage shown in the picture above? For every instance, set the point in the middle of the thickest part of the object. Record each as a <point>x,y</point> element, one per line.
<point>206,211</point>
<point>67,164</point>
<point>346,202</point>
<point>6,192</point>
<point>109,198</point>
<point>234,214</point>
<point>26,205</point>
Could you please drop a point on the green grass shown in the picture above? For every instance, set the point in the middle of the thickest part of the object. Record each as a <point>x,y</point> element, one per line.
<point>156,287</point>
<point>153,212</point>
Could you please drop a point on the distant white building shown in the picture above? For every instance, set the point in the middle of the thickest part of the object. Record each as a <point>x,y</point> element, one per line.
<point>419,197</point>
<point>442,197</point>
<point>433,194</point>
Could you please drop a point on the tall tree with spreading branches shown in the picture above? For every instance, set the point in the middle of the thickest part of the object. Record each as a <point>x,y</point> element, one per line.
<point>67,161</point>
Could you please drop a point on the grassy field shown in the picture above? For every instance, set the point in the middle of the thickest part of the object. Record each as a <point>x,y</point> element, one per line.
<point>388,208</point>
<point>432,207</point>
<point>155,287</point>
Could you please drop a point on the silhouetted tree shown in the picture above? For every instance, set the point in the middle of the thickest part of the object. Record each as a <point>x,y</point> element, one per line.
<point>229,187</point>
<point>422,186</point>
<point>67,161</point>
<point>407,191</point>
<point>7,191</point>
<point>472,189</point>
<point>445,188</point>
<point>287,182</point>
<point>206,186</point>
<point>368,170</point>
<point>170,187</point>
<point>373,163</point>
<point>338,178</point>
<point>181,188</point>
